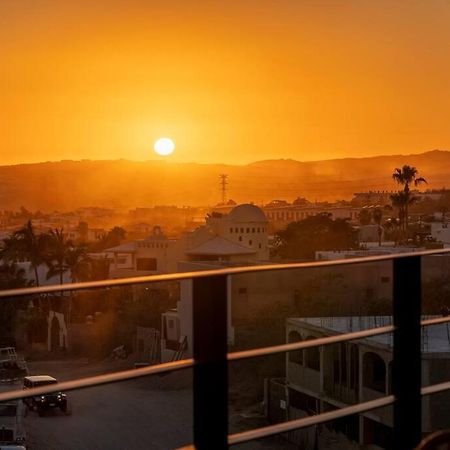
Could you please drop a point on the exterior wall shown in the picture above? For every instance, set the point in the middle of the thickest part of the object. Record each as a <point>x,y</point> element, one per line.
<point>319,384</point>
<point>441,232</point>
<point>280,217</point>
<point>62,339</point>
<point>349,287</point>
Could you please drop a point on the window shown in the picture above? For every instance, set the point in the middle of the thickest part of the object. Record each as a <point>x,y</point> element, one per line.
<point>240,238</point>
<point>231,230</point>
<point>146,264</point>
<point>250,242</point>
<point>312,356</point>
<point>248,230</point>
<point>242,230</point>
<point>253,230</point>
<point>295,356</point>
<point>374,372</point>
<point>259,245</point>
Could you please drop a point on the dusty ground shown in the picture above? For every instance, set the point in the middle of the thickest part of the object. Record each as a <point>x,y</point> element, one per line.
<point>152,413</point>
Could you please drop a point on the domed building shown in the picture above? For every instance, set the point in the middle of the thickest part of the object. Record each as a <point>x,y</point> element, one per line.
<point>240,235</point>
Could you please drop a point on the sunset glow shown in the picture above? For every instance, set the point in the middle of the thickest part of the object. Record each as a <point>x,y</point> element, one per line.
<point>236,82</point>
<point>164,146</point>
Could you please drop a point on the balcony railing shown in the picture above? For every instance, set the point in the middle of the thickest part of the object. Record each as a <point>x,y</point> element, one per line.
<point>210,356</point>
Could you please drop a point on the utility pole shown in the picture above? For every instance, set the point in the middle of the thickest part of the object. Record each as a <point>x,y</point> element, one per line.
<point>223,186</point>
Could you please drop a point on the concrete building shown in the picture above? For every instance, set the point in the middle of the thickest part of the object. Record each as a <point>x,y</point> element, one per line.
<point>321,379</point>
<point>441,232</point>
<point>280,216</point>
<point>237,237</point>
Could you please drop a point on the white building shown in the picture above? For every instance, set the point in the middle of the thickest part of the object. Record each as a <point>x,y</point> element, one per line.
<point>321,379</point>
<point>237,237</point>
<point>441,232</point>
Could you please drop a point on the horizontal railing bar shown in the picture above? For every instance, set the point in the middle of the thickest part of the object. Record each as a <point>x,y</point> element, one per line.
<point>98,380</point>
<point>435,321</point>
<point>309,421</point>
<point>435,388</point>
<point>209,273</point>
<point>326,417</point>
<point>310,343</point>
<point>233,356</point>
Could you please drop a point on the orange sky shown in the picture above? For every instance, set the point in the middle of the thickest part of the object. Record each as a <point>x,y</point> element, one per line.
<point>229,81</point>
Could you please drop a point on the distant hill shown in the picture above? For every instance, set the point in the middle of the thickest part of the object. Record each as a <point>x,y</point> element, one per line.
<point>125,184</point>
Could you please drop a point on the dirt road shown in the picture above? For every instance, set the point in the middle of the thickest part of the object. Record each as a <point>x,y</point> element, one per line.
<point>142,414</point>
<point>153,413</point>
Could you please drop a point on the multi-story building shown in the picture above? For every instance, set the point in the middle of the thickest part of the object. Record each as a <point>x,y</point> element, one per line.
<point>280,216</point>
<point>237,237</point>
<point>321,379</point>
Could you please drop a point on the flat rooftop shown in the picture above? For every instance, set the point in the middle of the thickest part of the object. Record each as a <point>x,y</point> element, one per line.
<point>435,338</point>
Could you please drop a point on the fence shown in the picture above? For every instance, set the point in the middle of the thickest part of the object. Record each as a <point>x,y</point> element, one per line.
<point>210,357</point>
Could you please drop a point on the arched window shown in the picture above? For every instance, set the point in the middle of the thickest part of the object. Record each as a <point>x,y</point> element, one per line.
<point>297,355</point>
<point>374,372</point>
<point>312,356</point>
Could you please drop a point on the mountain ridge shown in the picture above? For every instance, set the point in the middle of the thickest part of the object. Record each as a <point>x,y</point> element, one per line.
<point>68,184</point>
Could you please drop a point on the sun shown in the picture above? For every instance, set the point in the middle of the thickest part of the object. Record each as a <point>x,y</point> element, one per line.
<point>164,146</point>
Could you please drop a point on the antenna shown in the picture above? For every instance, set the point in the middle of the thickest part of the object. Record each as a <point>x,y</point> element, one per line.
<point>223,186</point>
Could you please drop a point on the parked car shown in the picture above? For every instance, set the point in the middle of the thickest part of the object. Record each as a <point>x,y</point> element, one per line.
<point>42,403</point>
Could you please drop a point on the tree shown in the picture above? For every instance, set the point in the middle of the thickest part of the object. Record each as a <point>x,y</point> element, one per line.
<point>111,239</point>
<point>56,260</point>
<point>320,232</point>
<point>402,201</point>
<point>25,244</point>
<point>364,216</point>
<point>406,176</point>
<point>377,216</point>
<point>11,277</point>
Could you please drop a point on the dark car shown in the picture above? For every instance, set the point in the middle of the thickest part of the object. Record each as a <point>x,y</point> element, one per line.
<point>42,403</point>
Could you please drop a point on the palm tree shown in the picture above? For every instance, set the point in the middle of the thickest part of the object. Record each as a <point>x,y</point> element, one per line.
<point>377,215</point>
<point>26,244</point>
<point>364,216</point>
<point>59,246</point>
<point>65,256</point>
<point>406,176</point>
<point>12,277</point>
<point>402,200</point>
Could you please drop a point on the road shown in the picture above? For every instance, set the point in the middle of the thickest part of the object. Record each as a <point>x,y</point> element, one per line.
<point>142,414</point>
<point>153,413</point>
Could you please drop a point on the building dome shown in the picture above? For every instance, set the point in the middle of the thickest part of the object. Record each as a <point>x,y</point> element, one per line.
<point>247,213</point>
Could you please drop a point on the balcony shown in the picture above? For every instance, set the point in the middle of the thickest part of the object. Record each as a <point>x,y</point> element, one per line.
<point>211,358</point>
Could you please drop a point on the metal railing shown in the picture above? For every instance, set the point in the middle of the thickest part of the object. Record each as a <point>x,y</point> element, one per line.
<point>210,356</point>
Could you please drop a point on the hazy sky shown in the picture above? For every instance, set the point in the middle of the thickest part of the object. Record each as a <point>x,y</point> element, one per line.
<point>229,81</point>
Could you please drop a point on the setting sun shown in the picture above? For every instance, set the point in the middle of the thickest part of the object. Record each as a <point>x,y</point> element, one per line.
<point>164,146</point>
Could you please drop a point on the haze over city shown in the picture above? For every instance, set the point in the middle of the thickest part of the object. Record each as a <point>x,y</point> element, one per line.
<point>224,224</point>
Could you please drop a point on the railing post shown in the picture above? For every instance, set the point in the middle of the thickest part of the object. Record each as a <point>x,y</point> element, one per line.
<point>210,363</point>
<point>407,363</point>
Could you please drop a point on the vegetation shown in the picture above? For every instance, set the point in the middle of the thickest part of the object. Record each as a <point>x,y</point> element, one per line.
<point>300,240</point>
<point>402,200</point>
